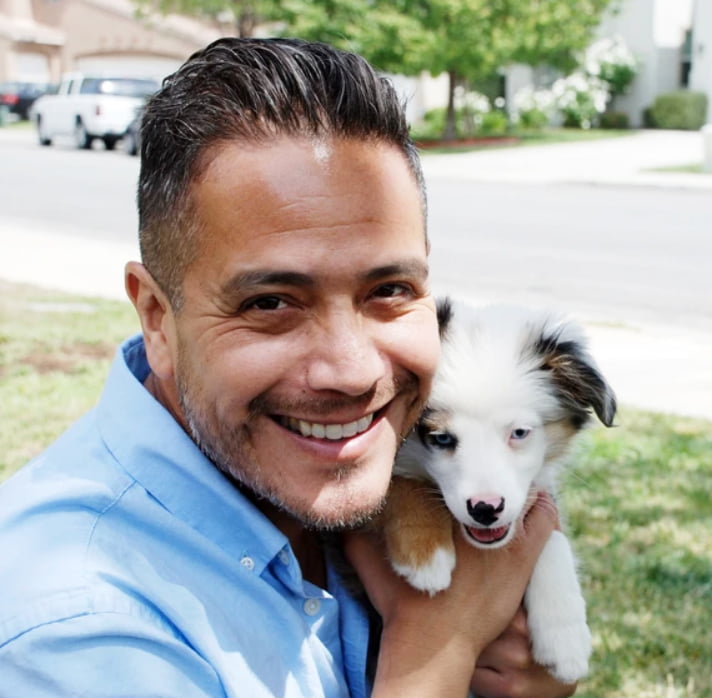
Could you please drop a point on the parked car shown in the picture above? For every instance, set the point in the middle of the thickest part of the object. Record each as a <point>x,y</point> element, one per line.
<point>18,97</point>
<point>87,107</point>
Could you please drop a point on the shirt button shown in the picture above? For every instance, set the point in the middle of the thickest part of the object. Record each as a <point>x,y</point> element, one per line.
<point>247,562</point>
<point>312,606</point>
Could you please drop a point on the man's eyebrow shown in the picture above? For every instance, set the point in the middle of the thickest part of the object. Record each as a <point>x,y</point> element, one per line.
<point>267,277</point>
<point>410,268</point>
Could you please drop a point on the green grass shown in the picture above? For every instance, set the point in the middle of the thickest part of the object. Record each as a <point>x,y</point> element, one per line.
<point>639,508</point>
<point>692,168</point>
<point>520,139</point>
<point>54,355</point>
<point>638,501</point>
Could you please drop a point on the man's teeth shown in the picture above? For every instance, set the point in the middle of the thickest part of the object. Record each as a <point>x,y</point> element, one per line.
<point>333,432</point>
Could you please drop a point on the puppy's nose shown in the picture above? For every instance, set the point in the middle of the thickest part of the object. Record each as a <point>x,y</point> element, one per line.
<point>485,511</point>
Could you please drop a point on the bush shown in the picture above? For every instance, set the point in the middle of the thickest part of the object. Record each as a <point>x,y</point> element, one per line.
<point>580,99</point>
<point>494,123</point>
<point>431,126</point>
<point>682,109</point>
<point>532,108</point>
<point>614,119</point>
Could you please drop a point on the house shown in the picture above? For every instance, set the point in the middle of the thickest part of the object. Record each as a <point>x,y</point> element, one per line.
<point>700,77</point>
<point>667,38</point>
<point>42,39</point>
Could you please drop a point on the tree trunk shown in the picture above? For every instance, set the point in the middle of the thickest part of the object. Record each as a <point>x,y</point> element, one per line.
<point>450,132</point>
<point>245,17</point>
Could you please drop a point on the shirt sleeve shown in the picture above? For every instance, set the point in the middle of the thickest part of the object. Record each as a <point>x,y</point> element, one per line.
<point>92,655</point>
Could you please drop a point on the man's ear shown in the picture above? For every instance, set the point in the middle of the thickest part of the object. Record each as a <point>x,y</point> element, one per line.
<point>156,316</point>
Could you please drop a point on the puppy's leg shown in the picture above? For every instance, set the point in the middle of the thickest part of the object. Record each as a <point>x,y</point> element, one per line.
<point>556,612</point>
<point>418,532</point>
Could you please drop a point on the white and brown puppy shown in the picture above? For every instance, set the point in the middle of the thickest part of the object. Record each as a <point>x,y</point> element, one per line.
<point>513,388</point>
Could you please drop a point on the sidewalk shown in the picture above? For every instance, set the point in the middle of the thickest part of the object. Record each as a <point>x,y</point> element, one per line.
<point>650,367</point>
<point>633,160</point>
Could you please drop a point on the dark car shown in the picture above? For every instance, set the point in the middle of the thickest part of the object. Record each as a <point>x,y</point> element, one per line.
<point>132,137</point>
<point>17,97</point>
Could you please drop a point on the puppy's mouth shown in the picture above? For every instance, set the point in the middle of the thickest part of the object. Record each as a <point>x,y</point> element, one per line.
<point>486,536</point>
<point>330,432</point>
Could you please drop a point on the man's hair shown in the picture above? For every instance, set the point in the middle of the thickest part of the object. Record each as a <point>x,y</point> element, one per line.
<point>250,90</point>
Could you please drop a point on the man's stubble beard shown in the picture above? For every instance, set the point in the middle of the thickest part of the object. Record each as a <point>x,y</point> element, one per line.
<point>229,448</point>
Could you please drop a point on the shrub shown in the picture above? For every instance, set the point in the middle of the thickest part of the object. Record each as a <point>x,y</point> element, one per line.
<point>581,99</point>
<point>610,60</point>
<point>494,123</point>
<point>614,119</point>
<point>682,109</point>
<point>533,108</point>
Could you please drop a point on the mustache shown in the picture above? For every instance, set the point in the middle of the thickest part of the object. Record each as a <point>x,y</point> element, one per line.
<point>323,406</point>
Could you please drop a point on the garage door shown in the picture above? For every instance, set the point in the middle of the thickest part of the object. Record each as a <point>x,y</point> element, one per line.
<point>31,67</point>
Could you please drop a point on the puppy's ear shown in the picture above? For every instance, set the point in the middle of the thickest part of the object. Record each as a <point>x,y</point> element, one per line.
<point>444,313</point>
<point>578,383</point>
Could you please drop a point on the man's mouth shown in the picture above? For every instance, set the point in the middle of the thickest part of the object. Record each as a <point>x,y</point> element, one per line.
<point>331,432</point>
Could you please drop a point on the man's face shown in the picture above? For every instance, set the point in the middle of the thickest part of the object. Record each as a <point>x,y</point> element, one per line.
<point>308,338</point>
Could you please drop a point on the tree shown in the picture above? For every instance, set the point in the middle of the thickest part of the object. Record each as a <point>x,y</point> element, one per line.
<point>243,15</point>
<point>469,40</point>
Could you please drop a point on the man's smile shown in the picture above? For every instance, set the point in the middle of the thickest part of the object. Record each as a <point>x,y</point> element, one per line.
<point>332,432</point>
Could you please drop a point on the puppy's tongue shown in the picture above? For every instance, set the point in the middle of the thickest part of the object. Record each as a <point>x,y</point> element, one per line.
<point>487,535</point>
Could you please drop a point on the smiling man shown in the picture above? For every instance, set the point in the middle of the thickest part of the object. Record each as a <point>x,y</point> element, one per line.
<point>171,542</point>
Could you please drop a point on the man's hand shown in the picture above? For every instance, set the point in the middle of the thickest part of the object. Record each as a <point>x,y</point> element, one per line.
<point>430,645</point>
<point>506,668</point>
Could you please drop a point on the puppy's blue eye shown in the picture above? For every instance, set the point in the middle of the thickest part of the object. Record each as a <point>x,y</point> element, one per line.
<point>520,433</point>
<point>442,439</point>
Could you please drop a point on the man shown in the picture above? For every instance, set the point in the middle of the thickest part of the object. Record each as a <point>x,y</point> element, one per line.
<point>169,544</point>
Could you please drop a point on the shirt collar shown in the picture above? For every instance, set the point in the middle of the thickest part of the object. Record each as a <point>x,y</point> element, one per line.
<point>157,453</point>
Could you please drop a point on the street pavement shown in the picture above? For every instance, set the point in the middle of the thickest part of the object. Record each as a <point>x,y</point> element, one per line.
<point>651,367</point>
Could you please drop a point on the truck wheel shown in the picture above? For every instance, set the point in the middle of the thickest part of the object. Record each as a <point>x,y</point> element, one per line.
<point>43,138</point>
<point>81,138</point>
<point>110,142</point>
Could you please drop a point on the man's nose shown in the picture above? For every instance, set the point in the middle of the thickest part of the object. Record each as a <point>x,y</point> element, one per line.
<point>345,357</point>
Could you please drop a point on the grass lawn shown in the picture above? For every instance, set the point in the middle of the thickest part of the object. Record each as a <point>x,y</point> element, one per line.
<point>639,499</point>
<point>518,139</point>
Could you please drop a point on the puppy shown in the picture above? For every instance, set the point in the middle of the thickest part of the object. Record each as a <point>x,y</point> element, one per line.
<point>513,387</point>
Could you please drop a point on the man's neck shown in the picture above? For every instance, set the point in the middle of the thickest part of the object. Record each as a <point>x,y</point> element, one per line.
<point>306,543</point>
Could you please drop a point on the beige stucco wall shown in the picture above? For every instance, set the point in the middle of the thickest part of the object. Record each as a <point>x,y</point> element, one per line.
<point>59,36</point>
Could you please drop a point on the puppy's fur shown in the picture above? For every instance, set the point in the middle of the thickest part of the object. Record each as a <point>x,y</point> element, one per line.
<point>513,388</point>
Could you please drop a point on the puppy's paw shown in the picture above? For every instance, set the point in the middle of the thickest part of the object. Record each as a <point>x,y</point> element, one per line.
<point>563,649</point>
<point>431,576</point>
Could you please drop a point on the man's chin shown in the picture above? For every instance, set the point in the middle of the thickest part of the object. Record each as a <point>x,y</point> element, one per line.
<point>336,518</point>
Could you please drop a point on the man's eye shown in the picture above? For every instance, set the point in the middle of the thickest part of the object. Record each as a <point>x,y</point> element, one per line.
<point>391,290</point>
<point>265,303</point>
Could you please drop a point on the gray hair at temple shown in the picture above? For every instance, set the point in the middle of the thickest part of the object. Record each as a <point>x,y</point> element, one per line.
<point>253,90</point>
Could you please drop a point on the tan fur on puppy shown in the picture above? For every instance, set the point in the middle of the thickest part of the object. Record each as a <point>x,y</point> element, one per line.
<point>417,526</point>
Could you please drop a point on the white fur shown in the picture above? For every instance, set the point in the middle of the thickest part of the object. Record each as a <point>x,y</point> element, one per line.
<point>434,575</point>
<point>489,387</point>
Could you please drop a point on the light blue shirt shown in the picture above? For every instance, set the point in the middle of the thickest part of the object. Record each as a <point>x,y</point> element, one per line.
<point>130,566</point>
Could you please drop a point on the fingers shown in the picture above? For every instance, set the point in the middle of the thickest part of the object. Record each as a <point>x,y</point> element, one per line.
<point>506,668</point>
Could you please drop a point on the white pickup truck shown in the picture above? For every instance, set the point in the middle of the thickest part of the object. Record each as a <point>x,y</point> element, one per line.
<point>87,107</point>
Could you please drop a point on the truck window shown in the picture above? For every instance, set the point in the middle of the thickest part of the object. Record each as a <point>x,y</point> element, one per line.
<point>124,87</point>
